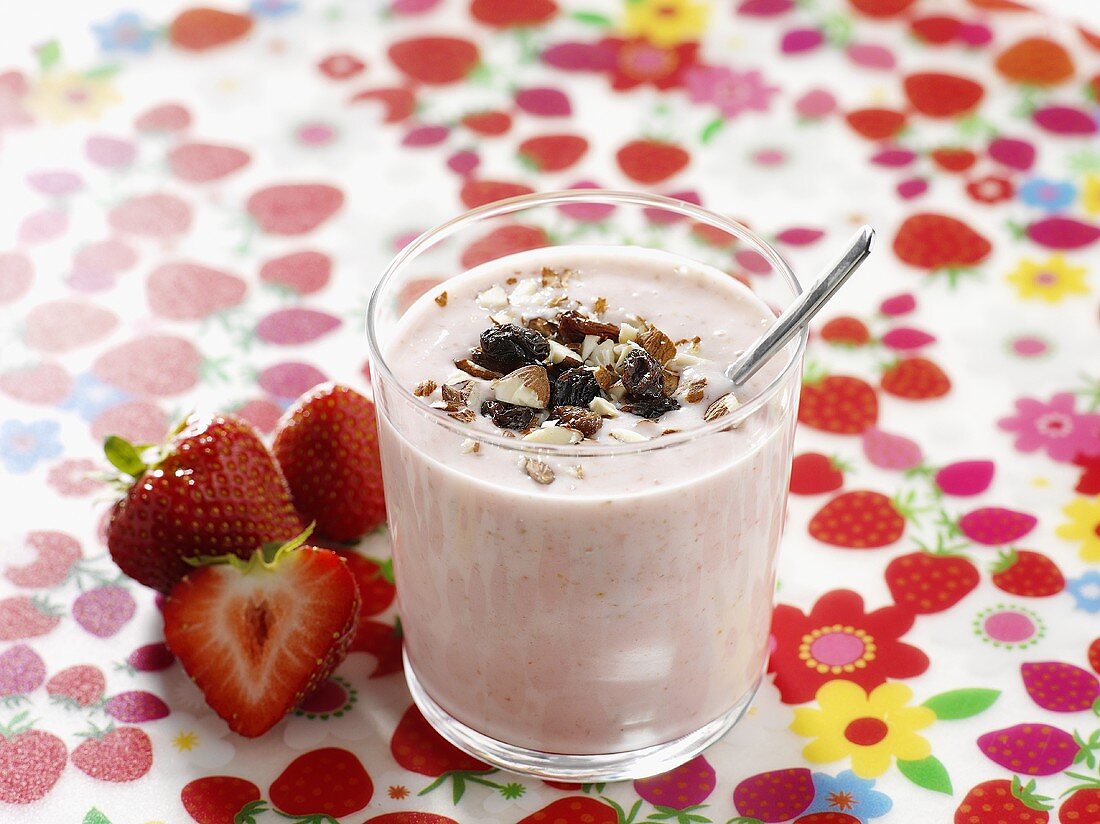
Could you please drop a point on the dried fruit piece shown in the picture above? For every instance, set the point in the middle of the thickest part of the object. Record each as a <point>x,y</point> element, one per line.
<point>539,472</point>
<point>527,386</point>
<point>652,409</point>
<point>721,407</point>
<point>476,370</point>
<point>424,388</point>
<point>657,344</point>
<point>512,346</point>
<point>508,416</point>
<point>583,420</point>
<point>573,326</point>
<point>575,387</point>
<point>642,376</point>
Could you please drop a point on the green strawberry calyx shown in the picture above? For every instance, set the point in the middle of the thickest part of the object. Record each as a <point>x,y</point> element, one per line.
<point>133,460</point>
<point>267,557</point>
<point>18,725</point>
<point>1026,793</point>
<point>813,374</point>
<point>1006,559</point>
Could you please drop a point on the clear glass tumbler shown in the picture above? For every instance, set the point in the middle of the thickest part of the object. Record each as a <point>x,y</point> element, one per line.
<point>575,631</point>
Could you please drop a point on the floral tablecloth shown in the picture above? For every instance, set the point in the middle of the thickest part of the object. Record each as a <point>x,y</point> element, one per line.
<point>194,219</point>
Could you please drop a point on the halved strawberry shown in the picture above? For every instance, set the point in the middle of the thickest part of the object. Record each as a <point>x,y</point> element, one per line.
<point>257,636</point>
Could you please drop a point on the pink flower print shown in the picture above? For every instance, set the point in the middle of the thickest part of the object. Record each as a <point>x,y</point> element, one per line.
<point>732,92</point>
<point>1055,427</point>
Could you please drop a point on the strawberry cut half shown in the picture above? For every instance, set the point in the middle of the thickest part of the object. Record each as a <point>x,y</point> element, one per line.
<point>259,635</point>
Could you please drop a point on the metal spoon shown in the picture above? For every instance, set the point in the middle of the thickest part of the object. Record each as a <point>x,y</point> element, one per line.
<point>807,305</point>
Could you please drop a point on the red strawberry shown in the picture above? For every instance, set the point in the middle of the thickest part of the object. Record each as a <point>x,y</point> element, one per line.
<point>846,331</point>
<point>488,123</point>
<point>1060,687</point>
<point>435,61</point>
<point>479,192</point>
<point>837,403</point>
<point>22,671</point>
<point>774,796</point>
<point>508,13</point>
<point>573,810</point>
<point>63,325</point>
<point>301,272</point>
<point>55,553</point>
<point>1082,806</point>
<point>933,241</point>
<point>503,241</point>
<point>157,215</point>
<point>915,379</point>
<point>858,520</point>
<point>31,761</point>
<point>150,658</point>
<point>217,799</point>
<point>827,817</point>
<point>881,8</point>
<point>813,473</point>
<point>327,446</point>
<point>926,583</point>
<point>43,383</point>
<point>191,291</point>
<point>1027,574</point>
<point>295,615</point>
<point>204,28</point>
<point>22,617</point>
<point>398,103</point>
<point>1031,749</point>
<point>552,152</point>
<point>420,749</point>
<point>294,208</point>
<point>994,525</point>
<point>1002,802</point>
<point>876,124</point>
<point>296,325</point>
<point>383,642</point>
<point>327,782</point>
<point>410,818</point>
<point>651,161</point>
<point>167,117</point>
<point>685,787</point>
<point>1094,655</point>
<point>114,754</point>
<point>155,365</point>
<point>952,159</point>
<point>375,582</point>
<point>204,162</point>
<point>244,501</point>
<point>936,29</point>
<point>136,707</point>
<point>78,686</point>
<point>936,94</point>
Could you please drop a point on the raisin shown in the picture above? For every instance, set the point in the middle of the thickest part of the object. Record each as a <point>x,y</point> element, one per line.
<point>583,420</point>
<point>642,376</point>
<point>652,409</point>
<point>509,416</point>
<point>574,387</point>
<point>573,326</point>
<point>512,346</point>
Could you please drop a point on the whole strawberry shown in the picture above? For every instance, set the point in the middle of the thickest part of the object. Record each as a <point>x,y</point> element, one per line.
<point>779,795</point>
<point>1001,801</point>
<point>1026,573</point>
<point>327,446</point>
<point>1060,687</point>
<point>1082,805</point>
<point>1032,749</point>
<point>212,489</point>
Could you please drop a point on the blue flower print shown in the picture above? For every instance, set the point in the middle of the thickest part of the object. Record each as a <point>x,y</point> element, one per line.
<point>91,396</point>
<point>1086,591</point>
<point>1046,194</point>
<point>22,445</point>
<point>272,8</point>
<point>848,793</point>
<point>125,33</point>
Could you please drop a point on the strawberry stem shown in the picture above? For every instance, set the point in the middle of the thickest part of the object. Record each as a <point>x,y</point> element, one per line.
<point>1026,794</point>
<point>622,816</point>
<point>267,556</point>
<point>18,724</point>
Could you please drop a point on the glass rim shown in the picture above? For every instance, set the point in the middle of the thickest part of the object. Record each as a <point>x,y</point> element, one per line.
<point>381,369</point>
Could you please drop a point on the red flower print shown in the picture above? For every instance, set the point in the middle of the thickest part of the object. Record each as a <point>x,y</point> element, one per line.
<point>341,66</point>
<point>637,61</point>
<point>990,189</point>
<point>838,640</point>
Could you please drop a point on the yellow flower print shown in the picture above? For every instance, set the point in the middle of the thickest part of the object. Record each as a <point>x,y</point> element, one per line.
<point>65,96</point>
<point>1083,526</point>
<point>665,23</point>
<point>1090,194</point>
<point>1050,280</point>
<point>871,729</point>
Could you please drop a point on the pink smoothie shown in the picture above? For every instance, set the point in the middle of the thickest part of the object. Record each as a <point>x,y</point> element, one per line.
<point>617,593</point>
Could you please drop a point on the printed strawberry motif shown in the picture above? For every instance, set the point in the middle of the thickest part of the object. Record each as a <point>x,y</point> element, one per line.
<point>1031,749</point>
<point>813,473</point>
<point>302,273</point>
<point>488,123</point>
<point>503,241</point>
<point>294,208</point>
<point>953,159</point>
<point>827,817</point>
<point>1082,805</point>
<point>1002,802</point>
<point>775,796</point>
<point>225,458</point>
<point>420,749</point>
<point>81,685</point>
<point>935,241</point>
<point>1035,61</point>
<point>166,117</point>
<point>476,193</point>
<point>435,61</point>
<point>965,478</point>
<point>398,103</point>
<point>156,215</point>
<point>43,383</point>
<point>291,379</point>
<point>156,365</point>
<point>837,403</point>
<point>115,754</point>
<point>906,339</point>
<point>1094,655</point>
<point>404,817</point>
<point>21,671</point>
<point>876,124</point>
<point>881,8</point>
<point>930,582</point>
<point>1060,687</point>
<point>552,152</point>
<point>23,617</point>
<point>59,326</point>
<point>205,162</point>
<point>217,799</point>
<point>16,276</point>
<point>55,553</point>
<point>136,707</point>
<point>294,326</point>
<point>191,291</point>
<point>31,761</point>
<point>680,790</point>
<point>935,29</point>
<point>846,331</point>
<point>994,525</point>
<point>383,642</point>
<point>327,447</point>
<point>1027,574</point>
<point>937,94</point>
<point>347,788</point>
<point>889,451</point>
<point>574,810</point>
<point>374,580</point>
<point>858,520</point>
<point>915,379</point>
<point>511,13</point>
<point>105,610</point>
<point>201,29</point>
<point>651,161</point>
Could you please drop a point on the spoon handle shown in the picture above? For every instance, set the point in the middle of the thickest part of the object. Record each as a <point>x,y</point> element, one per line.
<point>807,305</point>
